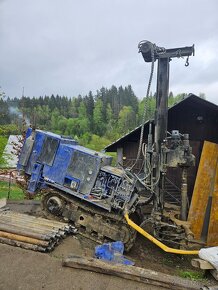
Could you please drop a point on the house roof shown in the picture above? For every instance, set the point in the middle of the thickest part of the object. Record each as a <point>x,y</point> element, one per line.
<point>133,135</point>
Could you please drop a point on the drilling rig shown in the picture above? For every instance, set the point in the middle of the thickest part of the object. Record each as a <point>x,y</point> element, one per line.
<point>105,202</point>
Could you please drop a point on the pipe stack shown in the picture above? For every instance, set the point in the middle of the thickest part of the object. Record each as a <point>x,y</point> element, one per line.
<point>30,232</point>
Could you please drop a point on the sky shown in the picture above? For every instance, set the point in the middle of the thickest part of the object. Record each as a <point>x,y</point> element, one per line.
<point>72,47</point>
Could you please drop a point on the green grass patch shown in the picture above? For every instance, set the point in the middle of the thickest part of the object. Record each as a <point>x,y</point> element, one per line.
<point>15,191</point>
<point>3,142</point>
<point>192,275</point>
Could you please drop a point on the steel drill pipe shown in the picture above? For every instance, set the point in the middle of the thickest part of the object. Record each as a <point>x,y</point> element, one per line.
<point>42,223</point>
<point>29,229</point>
<point>22,245</point>
<point>24,239</point>
<point>37,220</point>
<point>33,227</point>
<point>20,231</point>
<point>54,223</point>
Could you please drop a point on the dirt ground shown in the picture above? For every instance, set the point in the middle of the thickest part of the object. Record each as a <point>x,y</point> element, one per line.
<point>23,269</point>
<point>27,270</point>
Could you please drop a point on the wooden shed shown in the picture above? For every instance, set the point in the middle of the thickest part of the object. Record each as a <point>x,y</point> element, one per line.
<point>193,115</point>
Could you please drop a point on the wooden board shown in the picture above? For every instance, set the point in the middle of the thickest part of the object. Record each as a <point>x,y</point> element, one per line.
<point>163,281</point>
<point>203,187</point>
<point>201,264</point>
<point>212,237</point>
<point>214,273</point>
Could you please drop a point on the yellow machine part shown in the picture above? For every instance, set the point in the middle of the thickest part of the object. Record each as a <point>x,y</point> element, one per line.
<point>203,213</point>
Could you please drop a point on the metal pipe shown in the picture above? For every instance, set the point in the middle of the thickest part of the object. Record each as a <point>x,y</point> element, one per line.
<point>29,228</point>
<point>22,245</point>
<point>184,195</point>
<point>161,118</point>
<point>24,239</point>
<point>55,223</point>
<point>23,232</point>
<point>36,220</point>
<point>40,221</point>
<point>156,242</point>
<point>32,227</point>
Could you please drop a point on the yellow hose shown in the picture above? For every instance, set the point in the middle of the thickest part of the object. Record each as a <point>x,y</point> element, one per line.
<point>155,241</point>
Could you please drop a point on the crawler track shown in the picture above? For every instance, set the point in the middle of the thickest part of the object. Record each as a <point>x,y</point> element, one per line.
<point>91,221</point>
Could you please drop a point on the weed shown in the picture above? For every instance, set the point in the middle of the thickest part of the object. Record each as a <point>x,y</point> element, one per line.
<point>15,191</point>
<point>192,275</point>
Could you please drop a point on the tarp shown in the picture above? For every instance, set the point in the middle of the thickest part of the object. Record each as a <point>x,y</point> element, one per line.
<point>8,153</point>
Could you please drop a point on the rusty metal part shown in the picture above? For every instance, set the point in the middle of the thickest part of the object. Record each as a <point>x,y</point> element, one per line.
<point>157,242</point>
<point>181,231</point>
<point>91,222</point>
<point>170,230</point>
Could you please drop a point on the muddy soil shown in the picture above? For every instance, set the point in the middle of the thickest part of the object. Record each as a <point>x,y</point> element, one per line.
<point>27,270</point>
<point>144,253</point>
<point>22,269</point>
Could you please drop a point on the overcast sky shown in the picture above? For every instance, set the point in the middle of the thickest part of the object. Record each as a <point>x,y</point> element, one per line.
<point>72,47</point>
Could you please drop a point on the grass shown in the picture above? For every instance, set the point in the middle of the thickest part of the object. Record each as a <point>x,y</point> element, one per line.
<point>15,191</point>
<point>192,275</point>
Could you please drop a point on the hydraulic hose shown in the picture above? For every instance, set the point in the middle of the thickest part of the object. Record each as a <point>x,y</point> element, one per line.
<point>156,242</point>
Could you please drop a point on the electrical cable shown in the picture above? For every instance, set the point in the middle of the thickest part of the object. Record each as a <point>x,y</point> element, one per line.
<point>153,47</point>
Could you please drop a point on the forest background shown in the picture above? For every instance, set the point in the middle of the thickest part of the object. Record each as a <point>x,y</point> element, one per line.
<point>95,120</point>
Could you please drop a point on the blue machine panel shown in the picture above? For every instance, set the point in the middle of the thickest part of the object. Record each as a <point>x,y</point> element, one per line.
<point>37,148</point>
<point>84,167</point>
<point>58,171</point>
<point>52,159</point>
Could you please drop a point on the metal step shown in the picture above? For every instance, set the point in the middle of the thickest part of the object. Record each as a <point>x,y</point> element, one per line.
<point>172,192</point>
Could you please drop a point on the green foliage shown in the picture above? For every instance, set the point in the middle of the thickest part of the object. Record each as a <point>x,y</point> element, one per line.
<point>192,275</point>
<point>97,119</point>
<point>127,119</point>
<point>3,142</point>
<point>174,100</point>
<point>4,112</point>
<point>15,192</point>
<point>98,143</point>
<point>149,106</point>
<point>9,129</point>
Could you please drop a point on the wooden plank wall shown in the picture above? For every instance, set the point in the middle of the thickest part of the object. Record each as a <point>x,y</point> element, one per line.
<point>212,237</point>
<point>205,188</point>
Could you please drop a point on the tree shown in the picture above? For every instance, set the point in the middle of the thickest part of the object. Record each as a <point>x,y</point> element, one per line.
<point>4,113</point>
<point>3,142</point>
<point>83,119</point>
<point>62,124</point>
<point>148,104</point>
<point>89,103</point>
<point>98,119</point>
<point>127,119</point>
<point>202,96</point>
